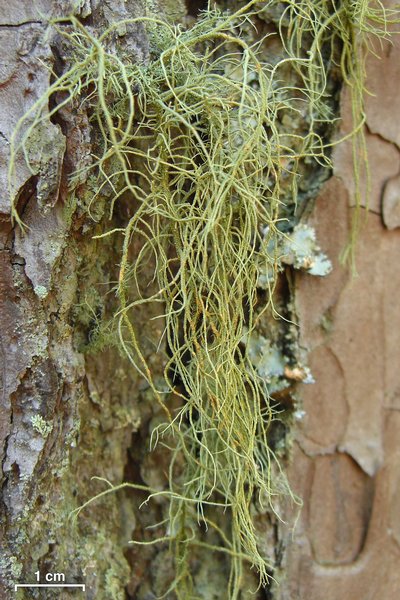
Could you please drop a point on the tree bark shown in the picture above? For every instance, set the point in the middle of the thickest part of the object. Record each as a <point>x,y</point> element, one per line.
<point>346,455</point>
<point>70,412</point>
<point>66,416</point>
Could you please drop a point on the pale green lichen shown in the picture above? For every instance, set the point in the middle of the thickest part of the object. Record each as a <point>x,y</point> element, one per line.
<point>41,291</point>
<point>267,359</point>
<point>16,567</point>
<point>41,426</point>
<point>202,141</point>
<point>300,249</point>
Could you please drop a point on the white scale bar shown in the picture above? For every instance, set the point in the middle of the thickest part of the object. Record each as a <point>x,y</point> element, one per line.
<point>50,585</point>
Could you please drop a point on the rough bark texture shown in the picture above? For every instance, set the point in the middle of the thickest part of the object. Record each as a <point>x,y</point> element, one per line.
<point>67,415</point>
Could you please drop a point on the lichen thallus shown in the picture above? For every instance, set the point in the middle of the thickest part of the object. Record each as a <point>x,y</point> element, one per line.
<point>201,140</point>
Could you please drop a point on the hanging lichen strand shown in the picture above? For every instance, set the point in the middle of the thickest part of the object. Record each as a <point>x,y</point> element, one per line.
<point>203,143</point>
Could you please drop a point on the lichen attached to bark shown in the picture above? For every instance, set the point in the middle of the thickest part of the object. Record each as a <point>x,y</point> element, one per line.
<point>204,146</point>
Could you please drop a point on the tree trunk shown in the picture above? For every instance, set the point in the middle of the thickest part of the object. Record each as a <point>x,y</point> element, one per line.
<point>346,455</point>
<point>73,408</point>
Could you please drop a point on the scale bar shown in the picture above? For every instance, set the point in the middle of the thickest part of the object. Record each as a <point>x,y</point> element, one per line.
<point>50,585</point>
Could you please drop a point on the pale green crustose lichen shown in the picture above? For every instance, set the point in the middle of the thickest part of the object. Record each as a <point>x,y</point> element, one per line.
<point>41,426</point>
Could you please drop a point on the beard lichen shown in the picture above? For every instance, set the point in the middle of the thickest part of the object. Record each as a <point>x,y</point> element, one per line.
<point>202,142</point>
